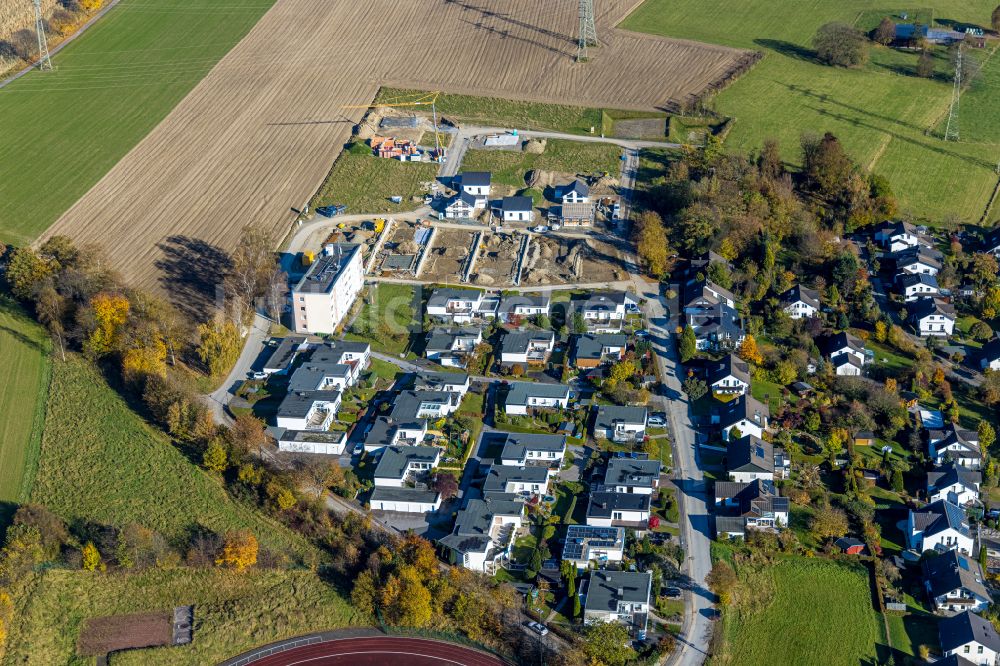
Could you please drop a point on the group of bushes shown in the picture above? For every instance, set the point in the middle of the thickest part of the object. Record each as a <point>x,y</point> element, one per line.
<point>66,17</point>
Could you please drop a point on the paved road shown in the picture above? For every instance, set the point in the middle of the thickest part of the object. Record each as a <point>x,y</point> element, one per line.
<point>252,347</point>
<point>376,651</point>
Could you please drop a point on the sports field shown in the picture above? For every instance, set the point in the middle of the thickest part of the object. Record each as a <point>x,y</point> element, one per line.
<point>63,130</point>
<point>24,348</point>
<point>887,117</point>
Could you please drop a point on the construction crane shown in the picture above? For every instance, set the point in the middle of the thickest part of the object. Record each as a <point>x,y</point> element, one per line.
<point>420,99</point>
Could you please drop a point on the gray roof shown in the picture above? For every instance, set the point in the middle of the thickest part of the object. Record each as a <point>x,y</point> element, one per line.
<point>925,307</point>
<point>296,404</point>
<point>285,352</point>
<point>731,364</point>
<point>604,301</point>
<point>718,321</point>
<point>430,380</point>
<point>743,407</point>
<point>580,210</point>
<point>939,516</point>
<point>500,475</point>
<point>381,493</point>
<point>442,339</point>
<point>516,204</point>
<point>325,270</point>
<point>474,178</point>
<point>952,473</point>
<point>965,628</point>
<point>632,472</point>
<point>704,293</point>
<point>440,297</point>
<point>730,524</point>
<point>608,588</point>
<point>991,350</point>
<point>516,444</point>
<point>309,377</point>
<point>395,459</point>
<point>509,302</point>
<point>919,254</point>
<point>399,262</point>
<point>800,293</point>
<point>951,571</point>
<point>911,279</point>
<point>477,516</point>
<point>604,504</point>
<point>406,406</point>
<point>577,186</point>
<point>591,346</point>
<point>750,454</point>
<point>608,415</point>
<point>517,342</point>
<point>519,392</point>
<point>839,341</point>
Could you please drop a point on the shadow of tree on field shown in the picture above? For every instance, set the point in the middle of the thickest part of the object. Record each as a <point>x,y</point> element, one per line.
<point>788,49</point>
<point>193,272</point>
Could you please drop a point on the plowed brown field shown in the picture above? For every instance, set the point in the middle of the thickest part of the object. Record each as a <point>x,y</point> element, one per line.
<point>258,134</point>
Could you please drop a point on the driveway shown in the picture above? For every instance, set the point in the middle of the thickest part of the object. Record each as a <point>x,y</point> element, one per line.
<point>218,399</point>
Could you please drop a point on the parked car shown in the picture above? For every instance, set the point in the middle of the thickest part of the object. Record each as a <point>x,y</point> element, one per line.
<point>331,211</point>
<point>642,333</point>
<point>258,375</point>
<point>540,229</point>
<point>538,628</point>
<point>672,592</point>
<point>656,421</point>
<point>555,227</point>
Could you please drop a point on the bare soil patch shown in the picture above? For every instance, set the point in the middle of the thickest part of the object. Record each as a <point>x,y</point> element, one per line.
<point>255,139</point>
<point>497,260</point>
<point>554,260</point>
<point>101,635</point>
<point>448,255</point>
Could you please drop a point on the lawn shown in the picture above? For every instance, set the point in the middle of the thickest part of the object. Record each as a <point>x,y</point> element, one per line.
<point>762,390</point>
<point>364,182</point>
<point>389,315</point>
<point>887,118</point>
<point>24,347</point>
<point>509,167</point>
<point>524,115</point>
<point>109,88</point>
<point>101,462</point>
<point>233,612</point>
<point>819,612</point>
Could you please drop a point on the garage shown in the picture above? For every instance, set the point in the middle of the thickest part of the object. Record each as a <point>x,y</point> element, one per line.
<point>404,500</point>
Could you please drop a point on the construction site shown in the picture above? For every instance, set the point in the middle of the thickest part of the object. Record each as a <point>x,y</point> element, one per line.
<point>449,256</point>
<point>562,260</point>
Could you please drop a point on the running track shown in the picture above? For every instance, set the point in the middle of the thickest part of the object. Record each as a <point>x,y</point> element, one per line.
<point>379,650</point>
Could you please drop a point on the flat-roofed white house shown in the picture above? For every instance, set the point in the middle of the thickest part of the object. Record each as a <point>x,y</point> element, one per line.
<point>520,305</point>
<point>526,347</point>
<point>451,382</point>
<point>460,306</point>
<point>632,475</point>
<point>404,500</point>
<point>325,294</point>
<point>533,479</point>
<point>618,510</point>
<point>308,410</point>
<point>399,464</point>
<point>328,442</point>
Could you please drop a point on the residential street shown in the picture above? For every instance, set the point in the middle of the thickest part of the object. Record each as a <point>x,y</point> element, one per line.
<point>252,347</point>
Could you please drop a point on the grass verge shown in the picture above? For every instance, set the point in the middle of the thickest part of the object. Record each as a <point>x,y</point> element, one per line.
<point>573,157</point>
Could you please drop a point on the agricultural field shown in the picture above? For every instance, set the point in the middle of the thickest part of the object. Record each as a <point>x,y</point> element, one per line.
<point>25,348</point>
<point>568,157</point>
<point>233,612</point>
<point>807,599</point>
<point>888,119</point>
<point>134,65</point>
<point>497,112</point>
<point>364,182</point>
<point>254,141</point>
<point>100,462</point>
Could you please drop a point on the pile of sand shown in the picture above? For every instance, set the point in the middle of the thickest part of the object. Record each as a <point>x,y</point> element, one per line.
<point>483,278</point>
<point>455,252</point>
<point>535,146</point>
<point>408,247</point>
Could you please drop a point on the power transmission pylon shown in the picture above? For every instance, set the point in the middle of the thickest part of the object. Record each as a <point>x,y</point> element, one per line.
<point>44,62</point>
<point>951,129</point>
<point>588,30</point>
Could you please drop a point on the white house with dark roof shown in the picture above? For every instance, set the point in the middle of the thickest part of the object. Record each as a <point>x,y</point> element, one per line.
<point>308,410</point>
<point>398,464</point>
<point>451,346</point>
<point>800,302</point>
<point>620,423</point>
<point>604,312</point>
<point>325,294</point>
<point>526,347</point>
<point>522,305</point>
<point>969,636</point>
<point>749,458</point>
<point>576,192</point>
<point>940,526</point>
<point>524,396</point>
<point>474,183</point>
<point>955,483</point>
<point>585,544</point>
<point>452,382</point>
<point>323,442</point>
<point>607,509</point>
<point>954,583</point>
<point>917,285</point>
<point>619,596</point>
<point>463,206</point>
<point>897,236</point>
<point>950,442</point>
<point>755,504</point>
<point>989,356</point>
<point>517,209</point>
<point>918,259</point>
<point>632,475</point>
<point>746,414</point>
<point>520,449</point>
<point>484,532</point>
<point>281,359</point>
<point>533,479</point>
<point>460,305</point>
<point>404,500</point>
<point>932,317</point>
<point>730,375</point>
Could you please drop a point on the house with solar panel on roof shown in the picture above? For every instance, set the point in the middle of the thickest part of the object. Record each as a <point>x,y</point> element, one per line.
<point>744,506</point>
<point>750,458</point>
<point>599,544</point>
<point>940,526</point>
<point>955,583</point>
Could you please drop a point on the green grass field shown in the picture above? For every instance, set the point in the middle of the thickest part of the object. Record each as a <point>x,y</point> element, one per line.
<point>63,130</point>
<point>24,347</point>
<point>386,317</point>
<point>364,182</point>
<point>100,461</point>
<point>820,612</point>
<point>571,157</point>
<point>233,612</point>
<point>885,116</point>
<point>490,111</point>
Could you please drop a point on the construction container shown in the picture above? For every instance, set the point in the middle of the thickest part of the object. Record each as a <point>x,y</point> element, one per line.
<point>308,257</point>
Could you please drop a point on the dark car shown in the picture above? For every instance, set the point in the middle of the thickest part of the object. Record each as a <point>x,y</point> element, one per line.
<point>331,211</point>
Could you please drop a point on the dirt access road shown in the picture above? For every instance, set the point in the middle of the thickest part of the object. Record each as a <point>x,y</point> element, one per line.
<point>257,136</point>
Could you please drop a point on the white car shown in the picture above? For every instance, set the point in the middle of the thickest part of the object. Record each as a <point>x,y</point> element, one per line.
<point>541,229</point>
<point>258,375</point>
<point>656,421</point>
<point>538,628</point>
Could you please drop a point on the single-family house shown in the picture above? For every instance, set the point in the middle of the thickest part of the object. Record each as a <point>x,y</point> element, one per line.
<point>620,423</point>
<point>619,596</point>
<point>463,206</point>
<point>461,306</point>
<point>989,357</point>
<point>843,343</point>
<point>626,474</point>
<point>800,302</point>
<point>521,306</point>
<point>592,350</point>
<point>452,382</point>
<point>524,396</point>
<point>404,500</point>
<point>605,312</point>
<point>915,286</point>
<point>520,449</point>
<point>281,359</point>
<point>969,636</point>
<point>752,505</point>
<point>587,543</point>
<point>607,509</point>
<point>527,347</point>
<point>532,479</point>
<point>399,464</point>
<point>716,328</point>
<point>334,365</point>
<point>475,183</point>
<point>452,346</point>
<point>749,458</point>
<point>955,483</point>
<point>412,405</point>
<point>573,214</point>
<point>954,583</point>
<point>386,431</point>
<point>918,259</point>
<point>940,526</point>
<point>516,209</point>
<point>576,192</point>
<point>949,442</point>
<point>731,375</point>
<point>698,267</point>
<point>896,236</point>
<point>745,414</point>
<point>308,410</point>
<point>484,532</point>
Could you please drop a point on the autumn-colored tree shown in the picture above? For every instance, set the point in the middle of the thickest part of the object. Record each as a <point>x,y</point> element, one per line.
<point>841,45</point>
<point>749,352</point>
<point>608,644</point>
<point>110,312</point>
<point>650,238</point>
<point>214,458</point>
<point>146,356</point>
<point>406,601</point>
<point>925,64</point>
<point>365,595</point>
<point>620,372</point>
<point>418,553</point>
<point>91,558</point>
<point>829,522</point>
<point>26,271</point>
<point>91,5</point>
<point>885,32</point>
<point>51,309</point>
<point>281,495</point>
<point>239,550</point>
<point>881,331</point>
<point>220,345</point>
<point>248,433</point>
<point>891,385</point>
<point>987,435</point>
<point>722,580</point>
<point>826,164</point>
